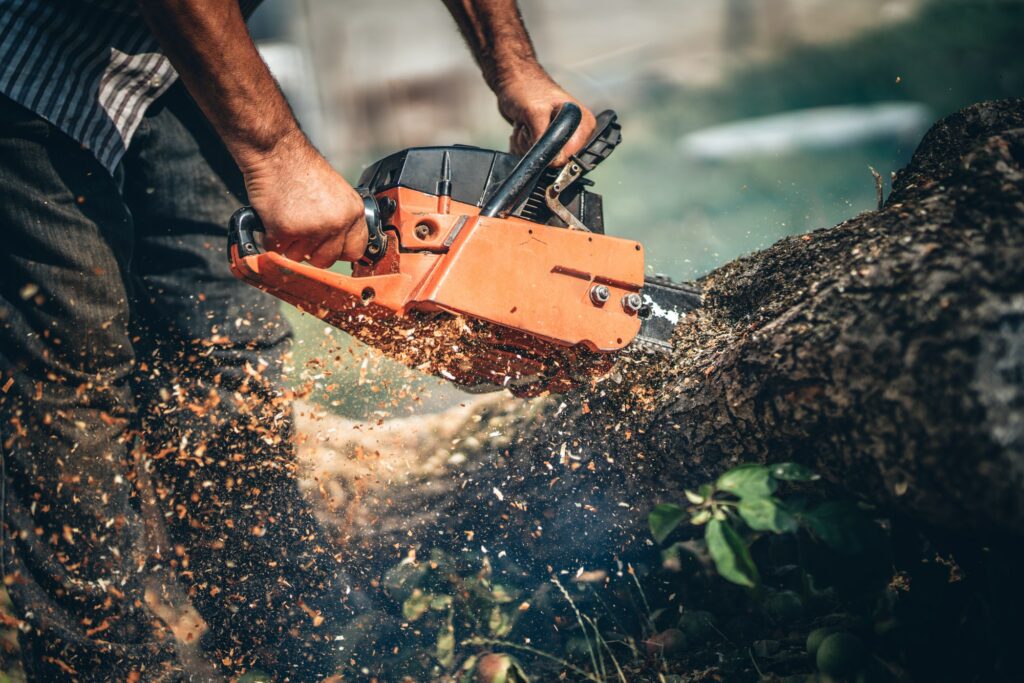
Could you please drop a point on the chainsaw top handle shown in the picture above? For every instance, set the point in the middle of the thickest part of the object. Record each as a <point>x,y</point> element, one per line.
<point>535,161</point>
<point>246,222</point>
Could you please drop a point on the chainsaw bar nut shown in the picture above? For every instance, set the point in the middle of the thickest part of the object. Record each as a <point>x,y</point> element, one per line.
<point>599,295</point>
<point>632,303</point>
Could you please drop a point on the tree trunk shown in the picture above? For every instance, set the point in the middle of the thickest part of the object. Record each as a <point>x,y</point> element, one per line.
<point>886,353</point>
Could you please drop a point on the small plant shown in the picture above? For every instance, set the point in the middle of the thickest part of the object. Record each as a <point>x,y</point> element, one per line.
<point>743,503</point>
<point>439,598</point>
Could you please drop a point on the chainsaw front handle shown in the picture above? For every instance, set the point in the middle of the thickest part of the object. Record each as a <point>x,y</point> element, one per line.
<point>535,161</point>
<point>245,223</point>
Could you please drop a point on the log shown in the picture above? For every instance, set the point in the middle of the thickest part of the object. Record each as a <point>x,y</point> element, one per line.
<point>886,353</point>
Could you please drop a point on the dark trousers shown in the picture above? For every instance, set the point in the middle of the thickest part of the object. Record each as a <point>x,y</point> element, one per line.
<point>135,369</point>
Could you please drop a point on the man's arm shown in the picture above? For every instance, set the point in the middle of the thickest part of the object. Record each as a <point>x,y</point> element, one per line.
<point>309,211</point>
<point>527,96</point>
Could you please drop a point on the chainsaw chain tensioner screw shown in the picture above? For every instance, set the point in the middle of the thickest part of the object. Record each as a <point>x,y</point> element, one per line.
<point>599,295</point>
<point>632,303</point>
<point>422,231</point>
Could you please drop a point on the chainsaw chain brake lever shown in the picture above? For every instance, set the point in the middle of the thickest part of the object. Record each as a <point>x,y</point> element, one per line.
<point>245,223</point>
<point>607,135</point>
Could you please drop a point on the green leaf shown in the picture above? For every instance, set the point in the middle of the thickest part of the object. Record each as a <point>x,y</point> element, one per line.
<point>501,595</point>
<point>445,649</point>
<point>499,623</point>
<point>400,580</point>
<point>732,559</point>
<point>466,671</point>
<point>791,471</point>
<point>253,676</point>
<point>701,517</point>
<point>747,481</point>
<point>842,526</point>
<point>416,605</point>
<point>440,603</point>
<point>663,520</point>
<point>694,498</point>
<point>767,514</point>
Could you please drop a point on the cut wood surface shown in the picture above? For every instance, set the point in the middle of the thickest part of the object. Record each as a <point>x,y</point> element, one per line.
<point>887,353</point>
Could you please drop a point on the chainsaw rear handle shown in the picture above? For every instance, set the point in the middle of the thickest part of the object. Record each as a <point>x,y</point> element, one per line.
<point>534,162</point>
<point>245,223</point>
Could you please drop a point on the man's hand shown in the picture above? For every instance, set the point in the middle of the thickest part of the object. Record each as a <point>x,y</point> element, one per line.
<point>309,211</point>
<point>527,97</point>
<point>529,104</point>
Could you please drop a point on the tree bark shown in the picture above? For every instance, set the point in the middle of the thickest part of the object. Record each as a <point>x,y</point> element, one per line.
<point>887,353</point>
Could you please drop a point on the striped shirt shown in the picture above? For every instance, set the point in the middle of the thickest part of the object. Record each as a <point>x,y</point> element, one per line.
<point>89,67</point>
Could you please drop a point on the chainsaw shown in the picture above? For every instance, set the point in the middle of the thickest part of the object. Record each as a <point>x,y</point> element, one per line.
<point>484,268</point>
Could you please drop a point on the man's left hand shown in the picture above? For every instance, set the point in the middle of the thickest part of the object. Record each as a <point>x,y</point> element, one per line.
<point>530,103</point>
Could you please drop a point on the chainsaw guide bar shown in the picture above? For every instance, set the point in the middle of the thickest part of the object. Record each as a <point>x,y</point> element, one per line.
<point>484,268</point>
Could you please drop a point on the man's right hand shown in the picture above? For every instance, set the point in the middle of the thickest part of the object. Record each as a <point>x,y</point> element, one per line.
<point>309,211</point>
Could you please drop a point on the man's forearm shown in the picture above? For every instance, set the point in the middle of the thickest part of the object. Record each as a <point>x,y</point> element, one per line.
<point>309,211</point>
<point>209,44</point>
<point>527,97</point>
<point>499,41</point>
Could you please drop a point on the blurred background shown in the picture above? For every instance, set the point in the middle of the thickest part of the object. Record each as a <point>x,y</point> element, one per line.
<point>743,120</point>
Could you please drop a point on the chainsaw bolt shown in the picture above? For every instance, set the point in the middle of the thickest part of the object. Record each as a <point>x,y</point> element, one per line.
<point>632,303</point>
<point>599,295</point>
<point>422,231</point>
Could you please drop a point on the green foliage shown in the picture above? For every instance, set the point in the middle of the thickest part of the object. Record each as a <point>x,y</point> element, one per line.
<point>730,553</point>
<point>791,471</point>
<point>254,676</point>
<point>448,601</point>
<point>664,519</point>
<point>416,605</point>
<point>742,504</point>
<point>747,481</point>
<point>767,514</point>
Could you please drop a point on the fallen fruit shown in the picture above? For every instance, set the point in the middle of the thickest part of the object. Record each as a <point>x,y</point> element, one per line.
<point>497,667</point>
<point>784,606</point>
<point>815,637</point>
<point>669,642</point>
<point>840,655</point>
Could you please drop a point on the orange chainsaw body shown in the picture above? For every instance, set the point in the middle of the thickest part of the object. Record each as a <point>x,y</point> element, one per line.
<point>447,268</point>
